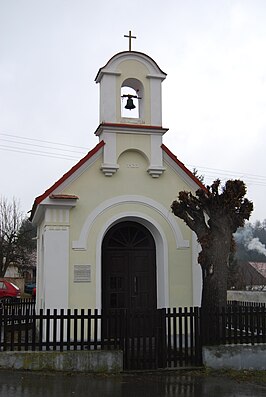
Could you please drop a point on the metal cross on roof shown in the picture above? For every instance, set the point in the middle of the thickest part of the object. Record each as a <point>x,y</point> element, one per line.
<point>129,36</point>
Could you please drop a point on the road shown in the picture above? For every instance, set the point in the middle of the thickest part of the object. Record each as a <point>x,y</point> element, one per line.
<point>172,384</point>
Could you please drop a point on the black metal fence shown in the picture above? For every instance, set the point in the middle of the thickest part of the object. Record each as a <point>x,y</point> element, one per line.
<point>161,338</point>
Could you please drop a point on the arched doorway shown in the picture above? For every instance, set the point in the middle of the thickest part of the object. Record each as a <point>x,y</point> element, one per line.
<point>128,268</point>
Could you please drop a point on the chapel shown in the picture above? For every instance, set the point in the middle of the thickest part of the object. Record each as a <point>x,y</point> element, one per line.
<point>107,238</point>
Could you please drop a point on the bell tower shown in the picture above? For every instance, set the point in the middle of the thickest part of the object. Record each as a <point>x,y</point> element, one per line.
<point>131,103</point>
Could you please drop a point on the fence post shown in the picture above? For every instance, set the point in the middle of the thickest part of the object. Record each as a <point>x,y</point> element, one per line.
<point>204,321</point>
<point>198,335</point>
<point>160,343</point>
<point>124,337</point>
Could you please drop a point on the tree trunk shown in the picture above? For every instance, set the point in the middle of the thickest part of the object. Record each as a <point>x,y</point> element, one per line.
<point>214,288</point>
<point>214,291</point>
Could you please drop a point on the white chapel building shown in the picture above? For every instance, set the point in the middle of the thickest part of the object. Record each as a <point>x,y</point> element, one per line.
<point>107,237</point>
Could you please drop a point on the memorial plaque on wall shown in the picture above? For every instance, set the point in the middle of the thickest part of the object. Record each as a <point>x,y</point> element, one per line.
<point>82,273</point>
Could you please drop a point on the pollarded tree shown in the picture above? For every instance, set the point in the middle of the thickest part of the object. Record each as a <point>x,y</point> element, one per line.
<point>214,214</point>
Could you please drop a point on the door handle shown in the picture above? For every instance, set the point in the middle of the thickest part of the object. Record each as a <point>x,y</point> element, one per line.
<point>135,285</point>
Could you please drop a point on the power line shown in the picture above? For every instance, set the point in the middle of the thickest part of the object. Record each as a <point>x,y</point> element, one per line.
<point>42,146</point>
<point>226,171</point>
<point>214,173</point>
<point>38,153</point>
<point>18,147</point>
<point>40,140</point>
<point>208,172</point>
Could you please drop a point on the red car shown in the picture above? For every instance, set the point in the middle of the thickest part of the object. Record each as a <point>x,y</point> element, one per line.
<point>8,290</point>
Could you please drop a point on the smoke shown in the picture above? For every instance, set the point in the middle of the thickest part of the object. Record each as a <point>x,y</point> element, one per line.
<point>256,245</point>
<point>244,236</point>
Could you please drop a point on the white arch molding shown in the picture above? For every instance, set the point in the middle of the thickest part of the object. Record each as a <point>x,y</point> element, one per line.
<point>81,243</point>
<point>161,254</point>
<point>150,223</point>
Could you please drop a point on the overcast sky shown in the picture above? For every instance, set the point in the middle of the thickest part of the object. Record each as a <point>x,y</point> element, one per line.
<point>214,96</point>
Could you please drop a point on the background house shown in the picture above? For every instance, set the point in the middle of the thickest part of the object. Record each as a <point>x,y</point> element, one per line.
<point>252,276</point>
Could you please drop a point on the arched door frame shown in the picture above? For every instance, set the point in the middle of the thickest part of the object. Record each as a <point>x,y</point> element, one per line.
<point>129,267</point>
<point>161,255</point>
<point>82,242</point>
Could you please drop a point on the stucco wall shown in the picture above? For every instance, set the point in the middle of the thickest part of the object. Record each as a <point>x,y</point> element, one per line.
<point>235,357</point>
<point>127,182</point>
<point>73,361</point>
<point>247,296</point>
<point>131,193</point>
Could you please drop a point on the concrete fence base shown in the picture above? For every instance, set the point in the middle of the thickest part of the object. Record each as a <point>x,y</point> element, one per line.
<point>235,357</point>
<point>74,361</point>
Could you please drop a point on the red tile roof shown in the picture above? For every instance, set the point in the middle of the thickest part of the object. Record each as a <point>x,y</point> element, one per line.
<point>49,191</point>
<point>260,267</point>
<point>183,167</point>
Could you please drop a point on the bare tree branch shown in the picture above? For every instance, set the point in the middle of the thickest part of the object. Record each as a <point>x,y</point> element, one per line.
<point>214,214</point>
<point>10,222</point>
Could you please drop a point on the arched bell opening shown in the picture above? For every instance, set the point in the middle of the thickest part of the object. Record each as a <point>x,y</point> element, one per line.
<point>132,99</point>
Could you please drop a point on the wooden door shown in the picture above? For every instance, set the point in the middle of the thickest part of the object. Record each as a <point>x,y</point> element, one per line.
<point>129,268</point>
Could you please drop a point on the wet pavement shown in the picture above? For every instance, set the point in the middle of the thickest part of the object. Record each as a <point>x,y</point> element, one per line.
<point>172,384</point>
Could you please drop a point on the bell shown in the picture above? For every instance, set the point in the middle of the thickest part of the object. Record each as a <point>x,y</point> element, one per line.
<point>130,104</point>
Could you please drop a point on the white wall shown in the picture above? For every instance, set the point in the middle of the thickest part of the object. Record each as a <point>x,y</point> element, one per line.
<point>56,263</point>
